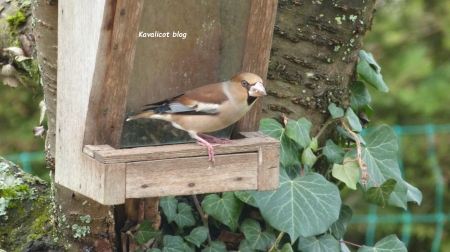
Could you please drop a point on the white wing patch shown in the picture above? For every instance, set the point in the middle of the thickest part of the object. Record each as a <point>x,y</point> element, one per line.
<point>207,108</point>
<point>200,107</point>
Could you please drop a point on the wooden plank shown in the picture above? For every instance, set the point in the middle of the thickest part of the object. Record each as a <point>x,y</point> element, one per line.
<point>184,176</point>
<point>104,183</point>
<point>257,54</point>
<point>108,99</point>
<point>91,149</point>
<point>77,49</point>
<point>181,150</point>
<point>269,168</point>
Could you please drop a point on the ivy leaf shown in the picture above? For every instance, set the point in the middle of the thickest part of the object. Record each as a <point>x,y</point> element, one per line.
<point>308,157</point>
<point>370,71</point>
<point>340,226</point>
<point>335,111</point>
<point>184,217</point>
<point>314,145</point>
<point>153,250</point>
<point>197,236</point>
<point>146,232</point>
<point>287,247</point>
<point>334,153</point>
<point>244,246</point>
<point>325,243</point>
<point>216,247</point>
<point>348,172</point>
<point>169,207</point>
<point>360,96</point>
<point>246,197</point>
<point>389,243</point>
<point>299,131</point>
<point>380,195</point>
<point>188,247</point>
<point>344,133</point>
<point>289,149</point>
<point>226,209</point>
<point>380,156</point>
<point>258,240</point>
<point>172,243</point>
<point>271,128</point>
<point>353,120</point>
<point>344,247</point>
<point>301,206</point>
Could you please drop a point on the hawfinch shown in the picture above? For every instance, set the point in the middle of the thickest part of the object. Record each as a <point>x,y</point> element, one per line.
<point>208,108</point>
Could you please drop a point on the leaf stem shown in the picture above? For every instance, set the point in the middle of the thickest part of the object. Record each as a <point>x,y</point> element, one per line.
<point>203,215</point>
<point>324,127</point>
<point>361,162</point>
<point>350,243</point>
<point>277,241</point>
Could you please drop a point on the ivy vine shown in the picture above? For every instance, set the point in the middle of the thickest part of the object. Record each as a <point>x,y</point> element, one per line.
<point>306,213</point>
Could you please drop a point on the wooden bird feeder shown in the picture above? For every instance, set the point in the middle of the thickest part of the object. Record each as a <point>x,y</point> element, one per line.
<point>115,56</point>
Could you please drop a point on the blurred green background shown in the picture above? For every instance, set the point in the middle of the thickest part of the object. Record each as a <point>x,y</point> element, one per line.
<point>410,39</point>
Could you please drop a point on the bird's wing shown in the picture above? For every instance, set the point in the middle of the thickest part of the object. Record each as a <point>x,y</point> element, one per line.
<point>202,100</point>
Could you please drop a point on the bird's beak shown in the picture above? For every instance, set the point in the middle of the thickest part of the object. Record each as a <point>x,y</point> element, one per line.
<point>257,90</point>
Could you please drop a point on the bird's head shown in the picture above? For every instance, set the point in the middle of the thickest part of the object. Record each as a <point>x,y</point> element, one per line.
<point>251,82</point>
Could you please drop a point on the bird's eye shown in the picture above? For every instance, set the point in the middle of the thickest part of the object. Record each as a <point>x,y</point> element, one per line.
<point>244,83</point>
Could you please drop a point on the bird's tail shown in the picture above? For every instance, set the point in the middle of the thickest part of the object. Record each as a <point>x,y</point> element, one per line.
<point>146,114</point>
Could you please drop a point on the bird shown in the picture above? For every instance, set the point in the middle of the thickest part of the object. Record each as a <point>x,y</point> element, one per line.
<point>208,108</point>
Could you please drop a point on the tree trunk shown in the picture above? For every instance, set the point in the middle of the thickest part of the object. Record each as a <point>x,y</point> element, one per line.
<point>81,223</point>
<point>314,55</point>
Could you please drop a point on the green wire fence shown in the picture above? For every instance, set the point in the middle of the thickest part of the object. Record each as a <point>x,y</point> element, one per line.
<point>439,217</point>
<point>372,218</point>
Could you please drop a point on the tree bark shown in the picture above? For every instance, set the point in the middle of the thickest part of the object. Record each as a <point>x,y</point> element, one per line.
<point>81,224</point>
<point>313,57</point>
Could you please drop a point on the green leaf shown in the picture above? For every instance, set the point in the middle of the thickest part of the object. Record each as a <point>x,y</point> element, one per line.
<point>334,153</point>
<point>169,207</point>
<point>146,232</point>
<point>325,243</point>
<point>308,157</point>
<point>154,250</point>
<point>287,248</point>
<point>370,71</point>
<point>271,128</point>
<point>344,247</point>
<point>340,226</point>
<point>380,195</point>
<point>184,217</point>
<point>256,238</point>
<point>216,247</point>
<point>335,111</point>
<point>246,197</point>
<point>299,131</point>
<point>226,209</point>
<point>380,156</point>
<point>360,96</point>
<point>353,120</point>
<point>289,149</point>
<point>289,152</point>
<point>197,236</point>
<point>188,247</point>
<point>348,172</point>
<point>389,243</point>
<point>301,206</point>
<point>172,243</point>
<point>244,246</point>
<point>344,133</point>
<point>314,144</point>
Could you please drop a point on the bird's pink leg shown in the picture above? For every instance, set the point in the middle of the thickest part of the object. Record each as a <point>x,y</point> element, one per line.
<point>212,139</point>
<point>209,146</point>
